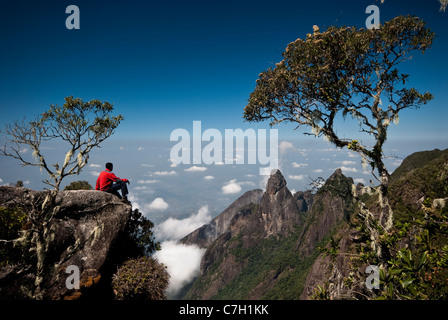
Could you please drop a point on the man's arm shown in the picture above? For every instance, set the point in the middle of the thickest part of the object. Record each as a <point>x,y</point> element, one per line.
<point>97,186</point>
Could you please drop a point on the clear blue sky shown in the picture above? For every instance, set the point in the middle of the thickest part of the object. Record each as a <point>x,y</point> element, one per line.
<point>165,64</point>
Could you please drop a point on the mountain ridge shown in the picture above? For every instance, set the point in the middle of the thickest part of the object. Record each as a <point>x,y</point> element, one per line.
<point>287,245</point>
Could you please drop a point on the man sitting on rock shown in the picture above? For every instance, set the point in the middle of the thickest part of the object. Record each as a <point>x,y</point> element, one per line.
<point>109,182</point>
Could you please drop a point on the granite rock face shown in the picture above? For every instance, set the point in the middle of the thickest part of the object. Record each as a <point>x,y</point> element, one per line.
<point>72,230</point>
<point>205,235</point>
<point>293,225</point>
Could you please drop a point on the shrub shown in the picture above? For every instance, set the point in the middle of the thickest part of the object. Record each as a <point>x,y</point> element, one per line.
<point>79,185</point>
<point>141,279</point>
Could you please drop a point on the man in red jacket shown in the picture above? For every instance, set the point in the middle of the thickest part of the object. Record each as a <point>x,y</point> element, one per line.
<point>109,182</point>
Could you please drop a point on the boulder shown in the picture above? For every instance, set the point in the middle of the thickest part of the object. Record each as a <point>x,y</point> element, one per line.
<point>76,231</point>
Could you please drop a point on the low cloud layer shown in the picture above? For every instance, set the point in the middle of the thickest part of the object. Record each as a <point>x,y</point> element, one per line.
<point>176,229</point>
<point>182,261</point>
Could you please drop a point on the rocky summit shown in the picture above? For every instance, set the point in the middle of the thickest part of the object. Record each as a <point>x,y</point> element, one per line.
<point>315,245</point>
<point>271,243</point>
<point>72,231</point>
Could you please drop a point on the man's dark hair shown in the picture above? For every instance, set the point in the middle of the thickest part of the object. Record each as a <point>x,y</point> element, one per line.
<point>109,166</point>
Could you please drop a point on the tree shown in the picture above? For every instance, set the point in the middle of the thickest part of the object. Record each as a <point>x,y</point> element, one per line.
<point>79,185</point>
<point>19,184</point>
<point>81,125</point>
<point>345,71</point>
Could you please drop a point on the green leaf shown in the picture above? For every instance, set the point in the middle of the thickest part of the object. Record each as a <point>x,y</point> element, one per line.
<point>423,259</point>
<point>407,282</point>
<point>406,256</point>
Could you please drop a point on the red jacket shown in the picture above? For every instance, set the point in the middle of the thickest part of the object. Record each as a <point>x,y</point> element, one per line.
<point>105,180</point>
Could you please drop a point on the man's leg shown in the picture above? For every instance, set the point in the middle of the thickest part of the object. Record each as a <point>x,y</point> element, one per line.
<point>119,186</point>
<point>114,190</point>
<point>124,189</point>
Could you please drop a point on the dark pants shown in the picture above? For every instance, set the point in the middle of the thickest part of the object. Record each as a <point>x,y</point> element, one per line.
<point>119,185</point>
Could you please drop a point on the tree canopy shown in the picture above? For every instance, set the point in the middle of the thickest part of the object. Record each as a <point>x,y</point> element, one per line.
<point>344,71</point>
<point>80,125</point>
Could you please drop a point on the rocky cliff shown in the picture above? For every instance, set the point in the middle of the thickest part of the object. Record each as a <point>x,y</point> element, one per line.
<point>205,235</point>
<point>340,271</point>
<point>269,248</point>
<point>306,245</point>
<point>70,231</point>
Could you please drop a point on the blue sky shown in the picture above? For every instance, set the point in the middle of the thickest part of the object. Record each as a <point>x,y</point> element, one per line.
<point>167,64</point>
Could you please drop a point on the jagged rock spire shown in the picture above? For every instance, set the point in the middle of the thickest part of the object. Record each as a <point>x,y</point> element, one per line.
<point>276,182</point>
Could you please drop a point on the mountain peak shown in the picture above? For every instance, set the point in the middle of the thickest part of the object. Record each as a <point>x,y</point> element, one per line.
<point>276,182</point>
<point>336,174</point>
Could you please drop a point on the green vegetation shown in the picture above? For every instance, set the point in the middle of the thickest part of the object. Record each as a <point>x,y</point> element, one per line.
<point>422,174</point>
<point>278,256</point>
<point>141,235</point>
<point>417,160</point>
<point>419,271</point>
<point>417,246</point>
<point>141,279</point>
<point>79,185</point>
<point>12,221</point>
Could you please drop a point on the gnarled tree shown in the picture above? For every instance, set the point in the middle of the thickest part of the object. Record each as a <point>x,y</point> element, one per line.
<point>81,125</point>
<point>345,71</point>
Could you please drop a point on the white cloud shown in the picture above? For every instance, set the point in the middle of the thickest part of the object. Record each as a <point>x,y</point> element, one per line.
<point>147,165</point>
<point>183,263</point>
<point>95,173</point>
<point>360,180</point>
<point>175,229</point>
<point>196,168</point>
<point>348,169</point>
<point>147,181</point>
<point>318,170</point>
<point>266,171</point>
<point>299,165</point>
<point>328,150</point>
<point>165,173</point>
<point>231,187</point>
<point>140,148</point>
<point>1,180</point>
<point>94,165</point>
<point>346,162</point>
<point>297,177</point>
<point>157,204</point>
<point>209,177</point>
<point>285,146</point>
